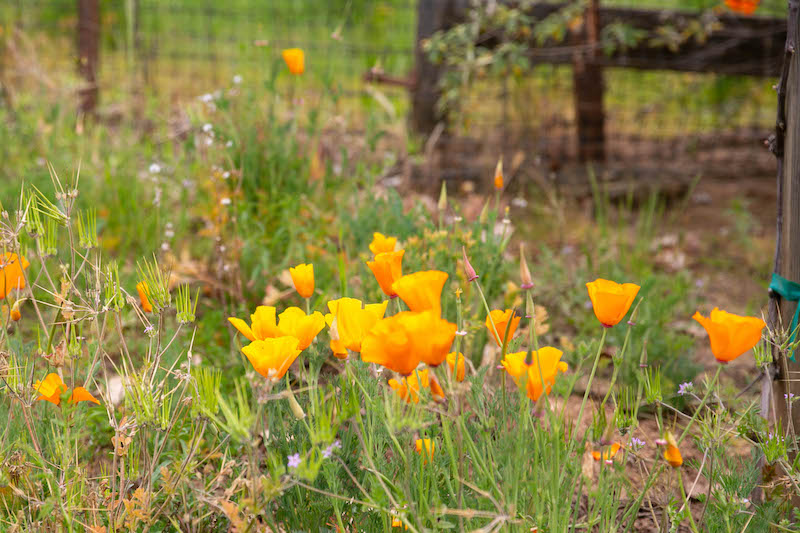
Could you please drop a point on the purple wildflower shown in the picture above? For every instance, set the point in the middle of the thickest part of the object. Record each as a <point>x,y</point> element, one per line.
<point>685,388</point>
<point>294,461</point>
<point>636,443</point>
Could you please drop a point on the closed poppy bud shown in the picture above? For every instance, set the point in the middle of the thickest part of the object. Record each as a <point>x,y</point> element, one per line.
<point>382,244</point>
<point>12,275</point>
<point>451,362</point>
<point>606,454</point>
<point>294,406</point>
<point>730,335</point>
<point>303,279</point>
<point>387,268</point>
<point>141,288</point>
<point>524,273</point>
<point>501,320</point>
<point>611,300</point>
<point>430,447</point>
<point>295,60</point>
<point>442,204</point>
<point>468,270</point>
<point>498,175</point>
<point>672,454</point>
<point>16,315</point>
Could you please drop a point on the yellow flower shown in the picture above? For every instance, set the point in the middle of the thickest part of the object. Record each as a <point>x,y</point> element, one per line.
<point>295,60</point>
<point>53,387</point>
<point>608,453</point>
<point>387,267</point>
<point>12,274</point>
<point>396,522</point>
<point>422,291</point>
<point>353,321</point>
<point>731,335</point>
<point>303,279</point>
<point>272,357</point>
<point>295,323</point>
<point>501,320</point>
<point>451,362</point>
<point>611,300</point>
<point>141,288</point>
<point>382,244</point>
<point>263,324</point>
<point>430,447</point>
<point>400,342</point>
<point>672,454</point>
<point>548,358</point>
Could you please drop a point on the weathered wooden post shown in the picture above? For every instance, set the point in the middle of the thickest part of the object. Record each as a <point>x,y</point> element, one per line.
<point>786,145</point>
<point>88,52</point>
<point>588,90</point>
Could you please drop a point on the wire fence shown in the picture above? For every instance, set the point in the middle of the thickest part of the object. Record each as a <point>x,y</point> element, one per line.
<point>180,49</point>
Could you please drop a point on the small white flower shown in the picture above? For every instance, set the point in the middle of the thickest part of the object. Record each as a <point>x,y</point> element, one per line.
<point>229,144</point>
<point>237,79</point>
<point>226,175</point>
<point>225,201</point>
<point>155,168</point>
<point>207,127</point>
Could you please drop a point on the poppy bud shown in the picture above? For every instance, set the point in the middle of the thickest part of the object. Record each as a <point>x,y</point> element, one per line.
<point>470,272</point>
<point>524,272</point>
<point>297,411</point>
<point>498,175</point>
<point>16,315</point>
<point>442,205</point>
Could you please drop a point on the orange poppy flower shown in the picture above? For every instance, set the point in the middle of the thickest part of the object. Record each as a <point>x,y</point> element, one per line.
<point>548,358</point>
<point>141,288</point>
<point>303,279</point>
<point>263,324</point>
<point>396,522</point>
<point>430,447</point>
<point>382,244</point>
<point>607,453</point>
<point>272,357</point>
<point>745,7</point>
<point>501,319</point>
<point>16,313</point>
<point>387,267</point>
<point>408,387</point>
<point>672,454</point>
<point>731,335</point>
<point>353,322</point>
<point>295,59</point>
<point>293,322</point>
<point>53,387</point>
<point>611,300</point>
<point>451,362</point>
<point>400,342</point>
<point>422,291</point>
<point>498,175</point>
<point>12,274</point>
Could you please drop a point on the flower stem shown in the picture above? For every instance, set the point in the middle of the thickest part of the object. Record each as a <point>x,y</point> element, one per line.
<point>702,404</point>
<point>591,376</point>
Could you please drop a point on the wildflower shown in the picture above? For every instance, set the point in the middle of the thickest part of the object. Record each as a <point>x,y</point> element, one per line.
<point>408,388</point>
<point>295,323</point>
<point>382,244</point>
<point>263,324</point>
<point>524,272</point>
<point>303,279</point>
<point>12,274</point>
<point>293,461</point>
<point>53,387</point>
<point>731,335</point>
<point>468,269</point>
<point>16,314</point>
<point>328,452</point>
<point>396,522</point>
<point>611,300</point>
<point>789,396</point>
<point>237,79</point>
<point>451,362</point>
<point>672,454</point>
<point>141,288</point>
<point>745,7</point>
<point>685,388</point>
<point>548,358</point>
<point>430,447</point>
<point>272,357</point>
<point>295,60</point>
<point>353,320</point>
<point>422,291</point>
<point>401,341</point>
<point>498,175</point>
<point>501,322</point>
<point>387,267</point>
<point>607,454</point>
<point>636,444</point>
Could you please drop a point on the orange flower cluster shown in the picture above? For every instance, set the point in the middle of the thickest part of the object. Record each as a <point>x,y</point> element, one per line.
<point>52,387</point>
<point>540,374</point>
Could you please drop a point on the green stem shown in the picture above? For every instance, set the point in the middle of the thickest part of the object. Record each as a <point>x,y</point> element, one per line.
<point>591,376</point>
<point>686,501</point>
<point>702,404</point>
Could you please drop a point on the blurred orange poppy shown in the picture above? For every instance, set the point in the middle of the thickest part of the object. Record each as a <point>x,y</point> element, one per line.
<point>400,342</point>
<point>52,387</point>
<point>498,175</point>
<point>422,291</point>
<point>607,453</point>
<point>408,387</point>
<point>611,300</point>
<point>745,7</point>
<point>387,267</point>
<point>548,358</point>
<point>272,357</point>
<point>141,288</point>
<point>382,244</point>
<point>303,279</point>
<point>672,454</point>
<point>501,322</point>
<point>451,362</point>
<point>12,275</point>
<point>430,447</point>
<point>730,335</point>
<point>295,60</point>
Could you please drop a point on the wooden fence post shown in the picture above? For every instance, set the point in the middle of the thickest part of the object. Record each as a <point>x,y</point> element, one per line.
<point>588,90</point>
<point>88,52</point>
<point>786,146</point>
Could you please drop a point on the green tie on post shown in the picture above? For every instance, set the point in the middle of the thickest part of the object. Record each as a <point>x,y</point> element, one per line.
<point>788,290</point>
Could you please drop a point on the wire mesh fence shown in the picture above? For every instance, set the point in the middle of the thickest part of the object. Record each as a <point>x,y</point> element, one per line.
<point>180,49</point>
